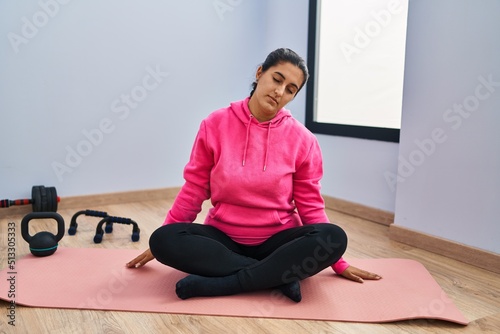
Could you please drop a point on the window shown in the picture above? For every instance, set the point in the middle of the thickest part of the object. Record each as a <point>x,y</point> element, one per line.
<point>356,57</point>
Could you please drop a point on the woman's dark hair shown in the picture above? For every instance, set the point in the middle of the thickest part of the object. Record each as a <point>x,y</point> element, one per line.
<point>284,55</point>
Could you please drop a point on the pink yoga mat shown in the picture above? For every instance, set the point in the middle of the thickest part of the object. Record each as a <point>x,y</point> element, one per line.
<point>94,278</point>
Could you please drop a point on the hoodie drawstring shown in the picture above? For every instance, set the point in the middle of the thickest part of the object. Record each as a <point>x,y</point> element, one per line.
<point>246,144</point>
<point>267,146</point>
<point>246,141</point>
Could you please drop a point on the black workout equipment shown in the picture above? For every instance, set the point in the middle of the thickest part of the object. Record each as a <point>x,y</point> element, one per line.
<point>120,220</point>
<point>43,199</point>
<point>92,213</point>
<point>42,243</point>
<point>106,219</point>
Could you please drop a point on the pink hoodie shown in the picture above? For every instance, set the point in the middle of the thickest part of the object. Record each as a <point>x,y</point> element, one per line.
<point>261,178</point>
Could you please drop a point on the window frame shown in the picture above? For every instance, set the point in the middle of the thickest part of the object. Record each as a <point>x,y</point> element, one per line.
<point>343,130</point>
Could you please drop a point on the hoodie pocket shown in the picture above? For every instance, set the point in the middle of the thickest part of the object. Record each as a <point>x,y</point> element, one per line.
<point>244,216</point>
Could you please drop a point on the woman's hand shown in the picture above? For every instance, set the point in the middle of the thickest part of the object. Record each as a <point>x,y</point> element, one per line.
<point>142,259</point>
<point>359,275</point>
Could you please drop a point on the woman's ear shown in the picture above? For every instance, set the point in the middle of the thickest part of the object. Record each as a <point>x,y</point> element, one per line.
<point>258,73</point>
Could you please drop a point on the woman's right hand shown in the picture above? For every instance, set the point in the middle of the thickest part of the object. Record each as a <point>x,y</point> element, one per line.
<point>141,259</point>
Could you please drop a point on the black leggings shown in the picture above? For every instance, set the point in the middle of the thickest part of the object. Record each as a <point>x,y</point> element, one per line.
<point>287,256</point>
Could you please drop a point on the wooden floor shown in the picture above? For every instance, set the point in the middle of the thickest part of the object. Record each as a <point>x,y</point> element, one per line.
<point>476,292</point>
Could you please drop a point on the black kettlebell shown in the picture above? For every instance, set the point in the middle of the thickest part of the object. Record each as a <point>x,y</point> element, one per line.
<point>43,243</point>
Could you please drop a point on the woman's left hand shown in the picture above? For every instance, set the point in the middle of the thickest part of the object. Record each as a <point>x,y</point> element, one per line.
<point>359,275</point>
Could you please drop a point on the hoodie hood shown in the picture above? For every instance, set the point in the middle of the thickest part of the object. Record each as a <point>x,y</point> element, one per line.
<point>242,112</point>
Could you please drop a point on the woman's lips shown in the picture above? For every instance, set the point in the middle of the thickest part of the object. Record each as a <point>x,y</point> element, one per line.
<point>273,99</point>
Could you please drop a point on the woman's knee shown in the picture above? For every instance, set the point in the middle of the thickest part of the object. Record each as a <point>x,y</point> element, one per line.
<point>164,237</point>
<point>331,238</point>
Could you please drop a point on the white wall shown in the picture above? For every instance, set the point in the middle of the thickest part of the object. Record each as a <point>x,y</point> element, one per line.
<point>67,67</point>
<point>449,171</point>
<point>70,70</point>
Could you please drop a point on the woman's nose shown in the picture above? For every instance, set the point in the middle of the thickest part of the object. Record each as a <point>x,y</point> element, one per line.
<point>279,90</point>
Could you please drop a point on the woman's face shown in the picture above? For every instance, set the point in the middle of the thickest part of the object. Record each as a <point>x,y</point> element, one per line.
<point>275,88</point>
